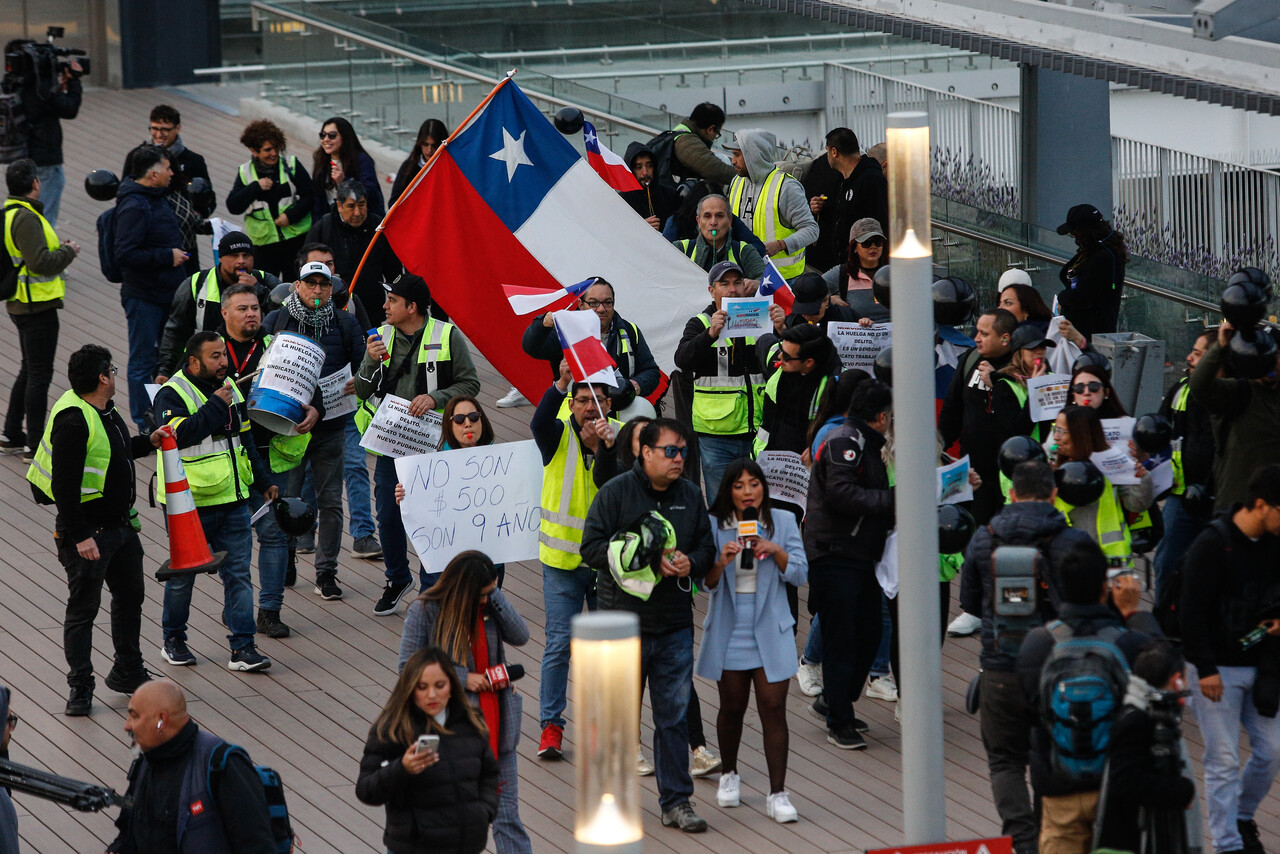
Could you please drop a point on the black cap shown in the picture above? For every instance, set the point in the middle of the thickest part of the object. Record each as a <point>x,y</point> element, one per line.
<point>1028,337</point>
<point>1081,217</point>
<point>810,290</point>
<point>413,289</point>
<point>234,241</point>
<point>718,271</point>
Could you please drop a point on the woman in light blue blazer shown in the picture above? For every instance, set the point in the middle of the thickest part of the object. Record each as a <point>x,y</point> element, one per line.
<point>747,637</point>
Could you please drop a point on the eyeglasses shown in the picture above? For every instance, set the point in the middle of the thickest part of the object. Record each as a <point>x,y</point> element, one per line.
<point>113,370</point>
<point>1059,432</point>
<point>161,129</point>
<point>463,417</point>
<point>12,720</point>
<point>330,134</point>
<point>597,303</point>
<point>1091,387</point>
<point>672,451</point>
<point>318,283</point>
<point>583,401</point>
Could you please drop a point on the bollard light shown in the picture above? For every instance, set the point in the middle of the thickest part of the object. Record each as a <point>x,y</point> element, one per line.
<point>907,140</point>
<point>605,655</point>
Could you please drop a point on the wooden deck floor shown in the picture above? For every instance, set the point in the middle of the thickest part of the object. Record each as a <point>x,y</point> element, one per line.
<point>308,716</point>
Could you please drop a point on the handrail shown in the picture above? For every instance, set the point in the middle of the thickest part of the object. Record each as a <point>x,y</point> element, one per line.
<point>659,47</point>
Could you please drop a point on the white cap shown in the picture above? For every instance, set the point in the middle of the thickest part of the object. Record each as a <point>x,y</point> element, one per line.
<point>312,268</point>
<point>1013,276</point>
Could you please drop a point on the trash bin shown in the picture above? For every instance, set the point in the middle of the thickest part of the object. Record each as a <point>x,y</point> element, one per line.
<point>1137,369</point>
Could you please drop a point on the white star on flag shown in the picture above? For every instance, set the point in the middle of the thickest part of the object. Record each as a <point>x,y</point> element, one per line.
<point>512,153</point>
<point>591,137</point>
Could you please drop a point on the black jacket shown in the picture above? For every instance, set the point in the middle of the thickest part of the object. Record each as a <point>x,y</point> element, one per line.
<point>865,193</point>
<point>445,809</point>
<point>69,440</point>
<point>186,318</point>
<point>348,245</point>
<point>147,232</point>
<point>617,506</point>
<point>542,342</point>
<point>822,179</point>
<point>657,199</point>
<point>850,509</point>
<point>1195,427</point>
<point>1092,284</point>
<point>969,414</point>
<point>1026,523</point>
<point>44,120</point>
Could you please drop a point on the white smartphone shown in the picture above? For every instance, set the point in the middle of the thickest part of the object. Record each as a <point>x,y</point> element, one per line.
<point>428,743</point>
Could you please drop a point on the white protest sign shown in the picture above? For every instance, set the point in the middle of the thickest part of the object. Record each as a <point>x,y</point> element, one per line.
<point>1116,465</point>
<point>787,477</point>
<point>748,317</point>
<point>393,432</point>
<point>1161,478</point>
<point>292,366</point>
<point>221,228</point>
<point>953,482</point>
<point>1118,431</point>
<point>482,498</point>
<point>336,401</point>
<point>152,390</point>
<point>1063,356</point>
<point>1047,395</point>
<point>858,346</point>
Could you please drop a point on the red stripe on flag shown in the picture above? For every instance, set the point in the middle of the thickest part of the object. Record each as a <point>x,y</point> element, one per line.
<point>618,177</point>
<point>587,357</point>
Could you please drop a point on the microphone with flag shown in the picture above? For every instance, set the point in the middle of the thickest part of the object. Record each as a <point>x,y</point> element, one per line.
<point>774,284</point>
<point>609,166</point>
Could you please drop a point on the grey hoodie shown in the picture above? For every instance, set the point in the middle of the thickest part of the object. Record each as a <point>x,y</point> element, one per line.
<point>759,147</point>
<point>8,815</point>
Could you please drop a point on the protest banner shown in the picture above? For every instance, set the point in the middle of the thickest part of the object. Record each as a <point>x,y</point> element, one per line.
<point>393,432</point>
<point>787,477</point>
<point>336,401</point>
<point>748,317</point>
<point>1047,395</point>
<point>484,498</point>
<point>858,346</point>
<point>1116,465</point>
<point>291,366</point>
<point>953,482</point>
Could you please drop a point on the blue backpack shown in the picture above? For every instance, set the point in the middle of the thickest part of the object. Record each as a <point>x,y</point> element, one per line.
<point>1082,688</point>
<point>281,829</point>
<point>107,246</point>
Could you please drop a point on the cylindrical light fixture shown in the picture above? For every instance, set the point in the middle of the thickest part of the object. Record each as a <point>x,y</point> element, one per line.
<point>605,656</point>
<point>915,495</point>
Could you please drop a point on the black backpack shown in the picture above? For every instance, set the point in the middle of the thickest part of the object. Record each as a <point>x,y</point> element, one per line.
<point>663,147</point>
<point>107,246</point>
<point>9,272</point>
<point>1168,608</point>
<point>272,787</point>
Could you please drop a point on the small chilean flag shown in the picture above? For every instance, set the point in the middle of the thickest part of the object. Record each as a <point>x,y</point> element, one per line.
<point>609,166</point>
<point>579,333</point>
<point>526,300</point>
<point>774,284</point>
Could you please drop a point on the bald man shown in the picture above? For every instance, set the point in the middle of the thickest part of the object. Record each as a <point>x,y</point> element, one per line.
<point>173,806</point>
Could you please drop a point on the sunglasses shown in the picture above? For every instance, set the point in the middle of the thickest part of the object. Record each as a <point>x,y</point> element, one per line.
<point>672,451</point>
<point>1091,387</point>
<point>329,134</point>
<point>872,241</point>
<point>463,417</point>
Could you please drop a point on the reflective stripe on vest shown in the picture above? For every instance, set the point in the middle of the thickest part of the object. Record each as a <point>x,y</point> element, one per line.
<point>771,396</point>
<point>435,349</point>
<point>1179,476</point>
<point>725,405</point>
<point>1112,533</point>
<point>690,250</point>
<point>97,453</point>
<point>567,492</point>
<point>32,287</point>
<point>218,470</point>
<point>258,222</point>
<point>766,220</point>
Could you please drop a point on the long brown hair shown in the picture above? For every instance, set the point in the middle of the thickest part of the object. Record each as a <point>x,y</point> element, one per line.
<point>1085,429</point>
<point>486,428</point>
<point>348,155</point>
<point>395,723</point>
<point>457,594</point>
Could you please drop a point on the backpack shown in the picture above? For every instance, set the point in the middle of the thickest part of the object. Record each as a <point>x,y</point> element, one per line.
<point>663,147</point>
<point>1020,588</point>
<point>272,787</point>
<point>107,246</point>
<point>8,270</point>
<point>1082,688</point>
<point>1168,608</point>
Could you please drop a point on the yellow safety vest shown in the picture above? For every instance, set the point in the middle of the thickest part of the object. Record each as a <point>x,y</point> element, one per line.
<point>258,222</point>
<point>771,394</point>
<point>567,492</point>
<point>766,220</point>
<point>285,452</point>
<point>435,349</point>
<point>97,456</point>
<point>1112,532</point>
<point>690,249</point>
<point>725,405</point>
<point>1179,405</point>
<point>32,287</point>
<point>218,470</point>
<point>1020,392</point>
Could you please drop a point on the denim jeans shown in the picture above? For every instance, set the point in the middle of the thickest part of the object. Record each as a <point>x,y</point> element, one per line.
<point>52,180</point>
<point>880,666</point>
<point>666,662</point>
<point>146,325</point>
<point>391,533</point>
<point>327,456</point>
<point>119,567</point>
<point>273,553</point>
<point>356,477</point>
<point>226,527</point>
<point>29,397</point>
<point>564,592</point>
<point>1006,719</point>
<point>716,453</point>
<point>849,602</point>
<point>1233,793</point>
<point>1180,531</point>
<point>813,646</point>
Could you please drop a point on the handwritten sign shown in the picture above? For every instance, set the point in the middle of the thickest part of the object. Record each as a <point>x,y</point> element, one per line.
<point>953,482</point>
<point>292,366</point>
<point>1118,431</point>
<point>483,498</point>
<point>858,346</point>
<point>393,432</point>
<point>1116,465</point>
<point>787,477</point>
<point>748,317</point>
<point>1047,395</point>
<point>337,402</point>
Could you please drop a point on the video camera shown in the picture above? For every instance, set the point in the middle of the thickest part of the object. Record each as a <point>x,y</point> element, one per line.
<point>1016,571</point>
<point>41,64</point>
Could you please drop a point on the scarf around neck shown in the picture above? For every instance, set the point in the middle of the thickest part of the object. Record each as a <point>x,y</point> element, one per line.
<point>315,319</point>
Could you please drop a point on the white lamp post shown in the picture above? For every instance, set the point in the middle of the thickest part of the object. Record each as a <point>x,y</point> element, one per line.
<point>911,257</point>
<point>605,657</point>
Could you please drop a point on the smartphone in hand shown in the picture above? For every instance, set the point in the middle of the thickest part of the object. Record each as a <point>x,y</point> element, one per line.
<point>427,743</point>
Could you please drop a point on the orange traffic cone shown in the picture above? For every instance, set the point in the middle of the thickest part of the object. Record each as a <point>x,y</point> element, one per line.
<point>188,548</point>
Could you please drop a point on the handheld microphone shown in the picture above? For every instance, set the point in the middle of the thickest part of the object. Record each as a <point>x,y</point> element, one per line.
<point>748,527</point>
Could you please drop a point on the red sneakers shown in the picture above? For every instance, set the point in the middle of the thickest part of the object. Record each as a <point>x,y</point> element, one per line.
<point>551,745</point>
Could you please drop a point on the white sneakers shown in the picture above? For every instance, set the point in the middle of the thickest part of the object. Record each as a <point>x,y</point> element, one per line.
<point>512,398</point>
<point>883,688</point>
<point>643,768</point>
<point>964,625</point>
<point>810,678</point>
<point>728,793</point>
<point>778,805</point>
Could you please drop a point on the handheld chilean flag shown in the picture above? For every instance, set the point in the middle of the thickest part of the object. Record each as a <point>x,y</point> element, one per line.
<point>589,361</point>
<point>525,301</point>
<point>774,284</point>
<point>508,200</point>
<point>609,166</point>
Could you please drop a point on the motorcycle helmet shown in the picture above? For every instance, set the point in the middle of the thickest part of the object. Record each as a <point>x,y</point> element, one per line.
<point>1152,433</point>
<point>882,366</point>
<point>1017,450</point>
<point>1079,482</point>
<point>101,185</point>
<point>955,528</point>
<point>294,516</point>
<point>954,301</point>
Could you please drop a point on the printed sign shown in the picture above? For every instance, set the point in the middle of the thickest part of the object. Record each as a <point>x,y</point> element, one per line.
<point>482,498</point>
<point>953,482</point>
<point>748,317</point>
<point>787,477</point>
<point>858,346</point>
<point>1116,464</point>
<point>292,366</point>
<point>1047,395</point>
<point>1118,431</point>
<point>337,402</point>
<point>393,432</point>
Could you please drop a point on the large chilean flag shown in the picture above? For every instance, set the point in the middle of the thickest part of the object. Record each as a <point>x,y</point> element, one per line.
<point>508,201</point>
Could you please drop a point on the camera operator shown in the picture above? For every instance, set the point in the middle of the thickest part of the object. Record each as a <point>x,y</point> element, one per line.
<point>1145,795</point>
<point>46,101</point>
